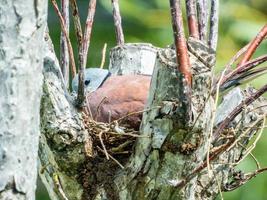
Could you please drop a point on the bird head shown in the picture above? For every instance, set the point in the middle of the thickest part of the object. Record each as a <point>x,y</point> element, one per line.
<point>93,79</point>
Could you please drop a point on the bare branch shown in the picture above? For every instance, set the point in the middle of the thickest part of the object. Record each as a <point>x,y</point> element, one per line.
<point>214,24</point>
<point>63,28</point>
<point>202,9</point>
<point>117,22</point>
<point>77,25</point>
<point>244,68</point>
<point>64,55</point>
<point>254,45</point>
<point>85,46</point>
<point>192,18</point>
<point>180,41</point>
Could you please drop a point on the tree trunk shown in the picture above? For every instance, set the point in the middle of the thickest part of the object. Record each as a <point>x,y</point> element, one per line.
<point>166,162</point>
<point>22,26</point>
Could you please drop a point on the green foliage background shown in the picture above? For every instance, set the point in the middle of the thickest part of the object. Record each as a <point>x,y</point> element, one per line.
<point>149,21</point>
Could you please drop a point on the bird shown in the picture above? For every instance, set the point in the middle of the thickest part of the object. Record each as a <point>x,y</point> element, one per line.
<point>115,97</point>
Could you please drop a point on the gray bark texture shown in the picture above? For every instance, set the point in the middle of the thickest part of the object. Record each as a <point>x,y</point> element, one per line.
<point>165,161</point>
<point>22,27</point>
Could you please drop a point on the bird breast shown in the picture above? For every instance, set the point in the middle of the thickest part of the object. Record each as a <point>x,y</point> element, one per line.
<point>118,97</point>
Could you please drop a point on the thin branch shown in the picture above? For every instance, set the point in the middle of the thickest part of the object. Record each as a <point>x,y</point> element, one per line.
<point>104,50</point>
<point>254,45</point>
<point>238,109</point>
<point>117,22</point>
<point>191,11</point>
<point>64,55</point>
<point>63,28</point>
<point>180,41</point>
<point>214,24</point>
<point>202,19</point>
<point>85,46</point>
<point>78,29</point>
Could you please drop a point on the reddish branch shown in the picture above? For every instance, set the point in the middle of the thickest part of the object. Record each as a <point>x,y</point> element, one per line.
<point>117,22</point>
<point>254,45</point>
<point>245,67</point>
<point>191,11</point>
<point>84,51</point>
<point>63,28</point>
<point>64,56</point>
<point>180,41</point>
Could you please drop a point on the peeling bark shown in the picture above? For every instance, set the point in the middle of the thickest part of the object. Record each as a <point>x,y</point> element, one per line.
<point>133,58</point>
<point>63,137</point>
<point>22,26</point>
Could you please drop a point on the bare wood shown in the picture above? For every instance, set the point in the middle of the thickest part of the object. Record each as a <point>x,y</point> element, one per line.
<point>180,41</point>
<point>192,18</point>
<point>64,54</point>
<point>214,24</point>
<point>63,28</point>
<point>254,45</point>
<point>117,22</point>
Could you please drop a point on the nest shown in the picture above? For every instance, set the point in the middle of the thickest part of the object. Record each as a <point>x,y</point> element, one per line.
<point>112,141</point>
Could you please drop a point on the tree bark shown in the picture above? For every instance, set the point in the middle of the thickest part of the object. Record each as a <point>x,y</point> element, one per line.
<point>22,26</point>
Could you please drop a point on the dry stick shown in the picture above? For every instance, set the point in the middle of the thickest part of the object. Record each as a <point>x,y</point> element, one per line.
<point>202,19</point>
<point>85,46</point>
<point>112,158</point>
<point>180,41</point>
<point>117,22</point>
<point>247,177</point>
<point>223,125</point>
<point>254,45</point>
<point>63,28</point>
<point>64,55</point>
<point>191,11</point>
<point>103,145</point>
<point>238,109</point>
<point>104,50</point>
<point>214,24</point>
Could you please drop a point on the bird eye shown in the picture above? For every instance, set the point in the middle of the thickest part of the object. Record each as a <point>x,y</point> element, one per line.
<point>86,82</point>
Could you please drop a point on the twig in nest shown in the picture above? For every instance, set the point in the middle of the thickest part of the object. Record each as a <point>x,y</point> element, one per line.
<point>253,145</point>
<point>135,113</point>
<point>238,109</point>
<point>102,144</point>
<point>112,158</point>
<point>104,50</point>
<point>252,156</point>
<point>243,179</point>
